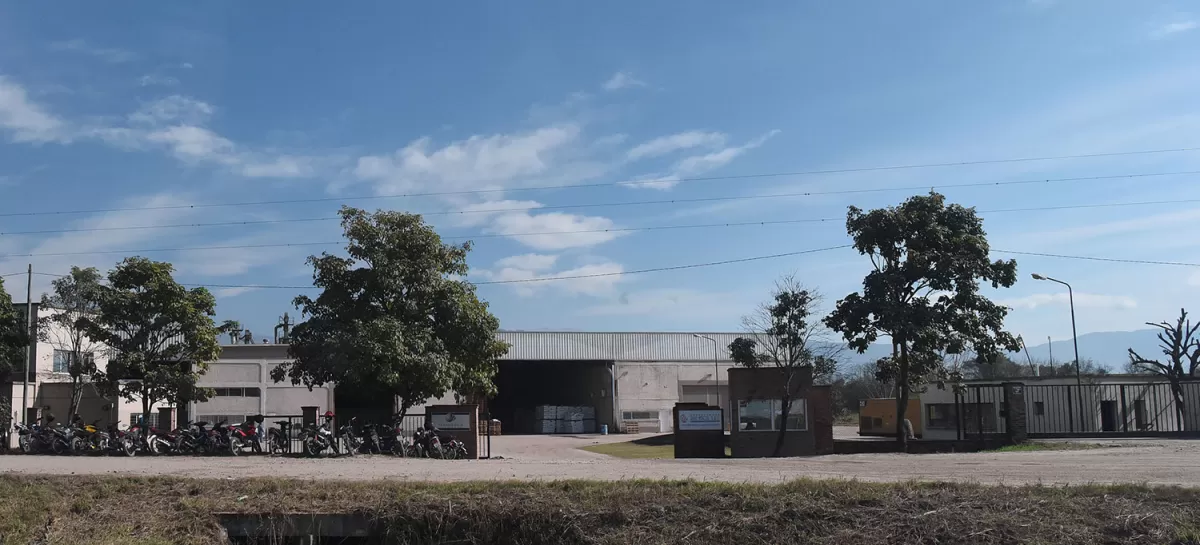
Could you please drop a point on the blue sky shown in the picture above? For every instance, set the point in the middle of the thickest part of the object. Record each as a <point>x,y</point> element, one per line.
<point>167,104</point>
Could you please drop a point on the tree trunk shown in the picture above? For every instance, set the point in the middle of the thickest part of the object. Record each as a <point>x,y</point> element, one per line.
<point>76,395</point>
<point>1189,421</point>
<point>786,407</point>
<point>902,399</point>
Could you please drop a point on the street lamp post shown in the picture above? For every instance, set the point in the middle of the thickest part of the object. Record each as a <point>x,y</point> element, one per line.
<point>1074,340</point>
<point>716,367</point>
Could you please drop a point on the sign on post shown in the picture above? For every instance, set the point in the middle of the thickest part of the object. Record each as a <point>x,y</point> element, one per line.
<point>450,421</point>
<point>700,420</point>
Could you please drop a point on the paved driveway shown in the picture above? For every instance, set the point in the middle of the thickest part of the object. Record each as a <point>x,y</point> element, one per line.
<point>558,457</point>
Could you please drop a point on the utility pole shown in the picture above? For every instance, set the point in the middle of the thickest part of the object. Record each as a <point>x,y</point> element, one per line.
<point>1050,345</point>
<point>28,347</point>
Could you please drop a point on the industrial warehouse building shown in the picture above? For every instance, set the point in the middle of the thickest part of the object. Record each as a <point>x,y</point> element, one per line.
<point>633,378</point>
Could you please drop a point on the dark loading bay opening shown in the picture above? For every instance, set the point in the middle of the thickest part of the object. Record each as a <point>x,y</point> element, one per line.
<point>522,385</point>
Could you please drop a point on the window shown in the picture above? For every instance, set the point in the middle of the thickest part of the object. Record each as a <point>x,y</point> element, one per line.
<point>63,359</point>
<point>251,392</point>
<point>767,415</point>
<point>940,416</point>
<point>640,415</point>
<point>1039,408</point>
<point>944,416</point>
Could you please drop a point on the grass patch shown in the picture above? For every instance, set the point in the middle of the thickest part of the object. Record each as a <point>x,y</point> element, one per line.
<point>655,447</point>
<point>171,510</point>
<point>1050,446</point>
<point>633,450</point>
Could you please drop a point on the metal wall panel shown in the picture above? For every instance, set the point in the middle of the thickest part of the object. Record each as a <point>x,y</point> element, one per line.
<point>568,345</point>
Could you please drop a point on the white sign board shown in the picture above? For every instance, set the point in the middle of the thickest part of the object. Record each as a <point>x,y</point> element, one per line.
<point>450,421</point>
<point>700,420</point>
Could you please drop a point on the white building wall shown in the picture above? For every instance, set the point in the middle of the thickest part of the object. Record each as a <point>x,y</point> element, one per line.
<point>656,386</point>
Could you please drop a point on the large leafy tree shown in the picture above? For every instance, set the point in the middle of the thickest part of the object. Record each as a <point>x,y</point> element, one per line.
<point>928,260</point>
<point>1180,344</point>
<point>72,300</point>
<point>160,335</point>
<point>14,337</point>
<point>394,315</point>
<point>786,335</point>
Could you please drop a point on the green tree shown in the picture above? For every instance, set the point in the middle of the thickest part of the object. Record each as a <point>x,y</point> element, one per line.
<point>160,335</point>
<point>72,300</point>
<point>394,315</point>
<point>784,334</point>
<point>14,337</point>
<point>1181,346</point>
<point>928,260</point>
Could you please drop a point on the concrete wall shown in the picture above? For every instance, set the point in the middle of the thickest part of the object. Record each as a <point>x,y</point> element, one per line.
<point>243,366</point>
<point>657,386</point>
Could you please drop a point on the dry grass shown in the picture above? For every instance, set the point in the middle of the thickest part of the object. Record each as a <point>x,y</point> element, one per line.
<point>1040,446</point>
<point>162,510</point>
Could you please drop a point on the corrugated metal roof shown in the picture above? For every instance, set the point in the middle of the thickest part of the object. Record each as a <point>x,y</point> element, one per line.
<point>572,345</point>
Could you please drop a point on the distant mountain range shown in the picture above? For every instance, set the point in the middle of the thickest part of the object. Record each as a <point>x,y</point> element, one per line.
<point>1107,348</point>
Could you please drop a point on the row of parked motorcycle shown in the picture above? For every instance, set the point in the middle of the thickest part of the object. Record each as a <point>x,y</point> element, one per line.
<point>237,439</point>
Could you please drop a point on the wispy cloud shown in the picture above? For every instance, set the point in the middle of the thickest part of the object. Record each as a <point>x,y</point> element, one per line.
<point>622,80</point>
<point>107,54</point>
<point>1172,29</point>
<point>24,120</point>
<point>157,79</point>
<point>1082,300</point>
<point>696,165</point>
<point>599,279</point>
<point>664,145</point>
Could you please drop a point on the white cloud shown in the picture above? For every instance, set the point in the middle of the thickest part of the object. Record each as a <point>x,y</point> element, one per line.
<point>479,162</point>
<point>107,54</point>
<point>1082,300</point>
<point>173,109</point>
<point>557,230</point>
<point>594,279</point>
<point>675,142</point>
<point>226,293</point>
<point>156,79</point>
<point>666,302</point>
<point>622,80</point>
<point>696,165</point>
<point>1172,29</point>
<point>192,143</point>
<point>25,120</point>
<point>530,262</point>
<point>283,166</point>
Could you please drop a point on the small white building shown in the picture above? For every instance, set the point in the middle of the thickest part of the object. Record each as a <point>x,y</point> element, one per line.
<point>241,380</point>
<point>47,390</point>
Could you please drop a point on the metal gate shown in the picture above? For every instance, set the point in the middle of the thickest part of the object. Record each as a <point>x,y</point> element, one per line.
<point>979,411</point>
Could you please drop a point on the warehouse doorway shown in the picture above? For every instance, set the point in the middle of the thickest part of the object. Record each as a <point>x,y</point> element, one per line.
<point>524,386</point>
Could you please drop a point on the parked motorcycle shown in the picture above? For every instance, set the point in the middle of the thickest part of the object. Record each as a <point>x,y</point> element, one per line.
<point>87,438</point>
<point>34,438</point>
<point>121,441</point>
<point>319,438</point>
<point>245,435</point>
<point>278,438</point>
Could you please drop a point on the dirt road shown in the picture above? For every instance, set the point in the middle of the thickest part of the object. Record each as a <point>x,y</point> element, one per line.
<point>557,457</point>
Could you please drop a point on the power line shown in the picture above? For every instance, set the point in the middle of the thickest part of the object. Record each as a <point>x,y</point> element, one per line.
<point>693,266</point>
<point>593,185</point>
<point>639,203</point>
<point>548,278</point>
<point>1105,259</point>
<point>583,231</point>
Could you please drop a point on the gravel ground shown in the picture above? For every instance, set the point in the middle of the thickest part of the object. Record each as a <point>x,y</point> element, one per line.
<point>558,457</point>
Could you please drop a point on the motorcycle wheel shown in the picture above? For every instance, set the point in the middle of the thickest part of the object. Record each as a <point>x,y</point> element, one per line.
<point>311,448</point>
<point>235,446</point>
<point>78,445</point>
<point>351,447</point>
<point>400,449</point>
<point>26,444</point>
<point>153,446</point>
<point>277,446</point>
<point>460,453</point>
<point>128,447</point>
